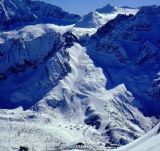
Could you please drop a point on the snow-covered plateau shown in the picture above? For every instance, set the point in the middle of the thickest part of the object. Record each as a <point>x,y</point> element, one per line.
<point>76,83</point>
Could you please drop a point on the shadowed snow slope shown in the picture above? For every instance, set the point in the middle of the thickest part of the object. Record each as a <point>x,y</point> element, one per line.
<point>27,56</point>
<point>129,46</point>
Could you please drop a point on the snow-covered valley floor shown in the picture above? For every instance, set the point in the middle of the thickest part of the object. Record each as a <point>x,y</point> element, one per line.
<point>41,134</point>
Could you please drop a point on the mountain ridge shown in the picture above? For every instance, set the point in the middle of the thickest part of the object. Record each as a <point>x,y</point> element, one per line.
<point>23,11</point>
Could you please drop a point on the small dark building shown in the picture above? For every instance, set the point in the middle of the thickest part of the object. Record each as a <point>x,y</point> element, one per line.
<point>79,144</point>
<point>112,145</point>
<point>23,148</point>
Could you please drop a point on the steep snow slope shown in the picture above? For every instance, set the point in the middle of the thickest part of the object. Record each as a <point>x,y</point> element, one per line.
<point>148,142</point>
<point>82,95</point>
<point>21,11</point>
<point>101,16</point>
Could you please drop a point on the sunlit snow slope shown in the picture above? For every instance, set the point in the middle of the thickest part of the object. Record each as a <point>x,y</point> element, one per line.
<point>101,16</point>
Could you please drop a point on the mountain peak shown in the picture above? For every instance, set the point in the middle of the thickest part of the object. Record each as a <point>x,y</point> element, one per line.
<point>109,8</point>
<point>102,15</point>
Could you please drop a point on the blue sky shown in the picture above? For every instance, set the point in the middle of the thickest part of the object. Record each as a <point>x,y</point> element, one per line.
<point>84,6</point>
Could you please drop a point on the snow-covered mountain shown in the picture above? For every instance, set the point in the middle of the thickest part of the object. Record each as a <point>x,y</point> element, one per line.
<point>65,87</point>
<point>100,16</point>
<point>129,45</point>
<point>21,11</point>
